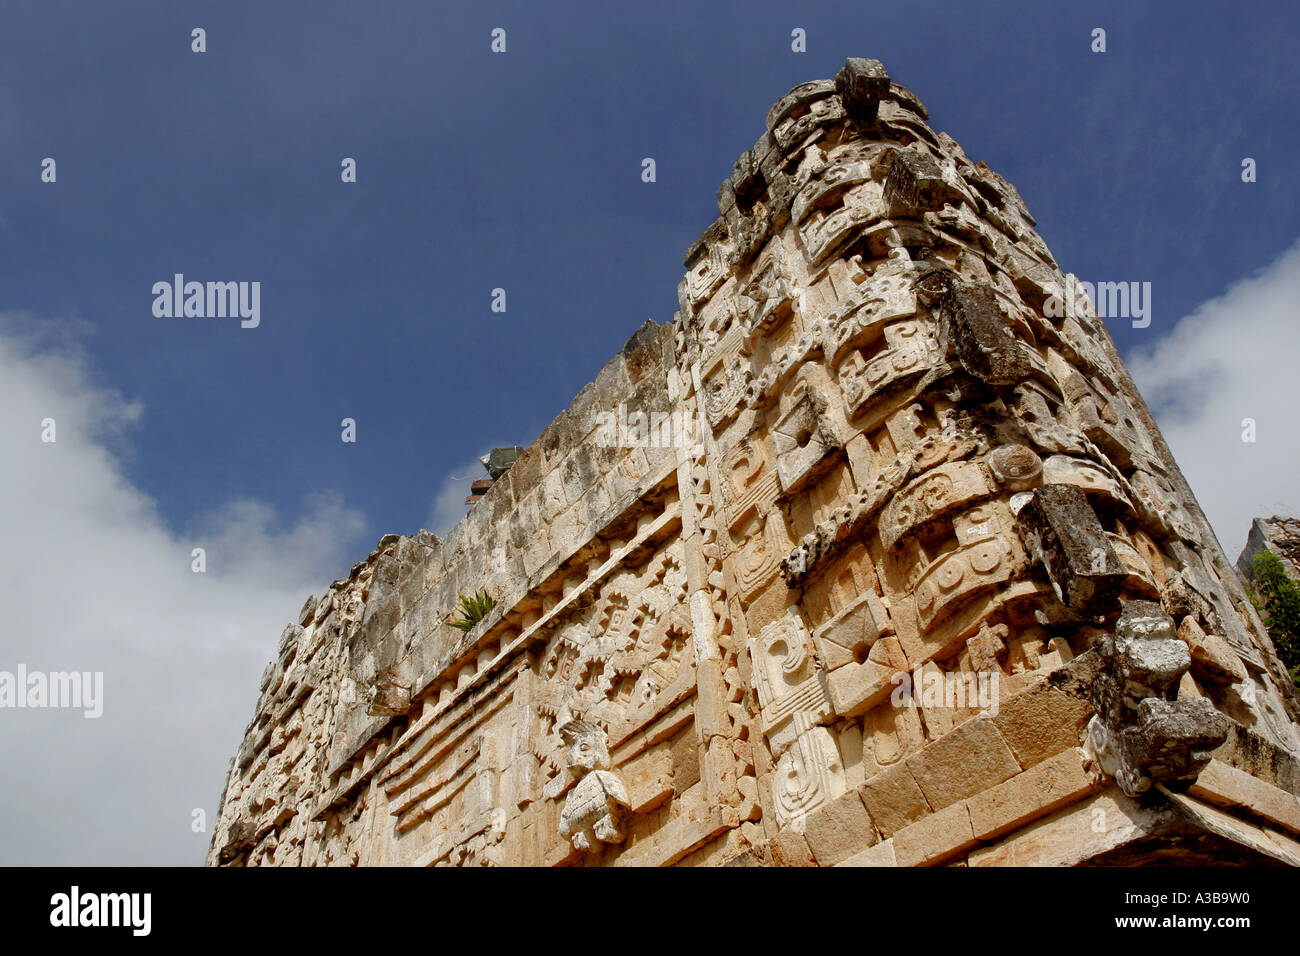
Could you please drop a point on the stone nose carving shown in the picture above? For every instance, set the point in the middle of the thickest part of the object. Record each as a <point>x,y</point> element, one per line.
<point>594,808</point>
<point>1143,732</point>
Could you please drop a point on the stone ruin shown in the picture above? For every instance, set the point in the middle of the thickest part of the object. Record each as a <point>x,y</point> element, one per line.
<point>1277,535</point>
<point>873,556</point>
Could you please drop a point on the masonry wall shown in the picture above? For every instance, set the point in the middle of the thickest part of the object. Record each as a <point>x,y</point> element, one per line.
<point>885,457</point>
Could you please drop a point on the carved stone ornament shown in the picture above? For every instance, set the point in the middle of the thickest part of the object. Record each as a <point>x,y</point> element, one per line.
<point>1143,732</point>
<point>594,808</point>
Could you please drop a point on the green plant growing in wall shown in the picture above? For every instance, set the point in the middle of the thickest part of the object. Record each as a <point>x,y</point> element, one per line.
<point>1277,599</point>
<point>473,608</point>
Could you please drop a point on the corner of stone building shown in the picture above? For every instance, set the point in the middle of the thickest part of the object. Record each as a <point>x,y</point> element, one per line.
<point>870,557</point>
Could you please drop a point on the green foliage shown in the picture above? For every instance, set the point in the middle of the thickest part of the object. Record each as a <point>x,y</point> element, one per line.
<point>473,609</point>
<point>1277,598</point>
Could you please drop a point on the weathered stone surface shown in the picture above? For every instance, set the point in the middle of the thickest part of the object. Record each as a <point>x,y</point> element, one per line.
<point>893,799</point>
<point>1229,787</point>
<point>789,848</point>
<point>1212,657</point>
<point>1041,722</point>
<point>865,452</point>
<point>977,329</point>
<point>391,698</point>
<point>855,688</point>
<point>839,829</point>
<point>1027,796</point>
<point>1077,833</point>
<point>914,186</point>
<point>1143,732</point>
<point>970,758</point>
<point>882,854</point>
<point>1276,535</point>
<point>861,83</point>
<point>1061,531</point>
<point>1015,467</point>
<point>239,840</point>
<point>935,838</point>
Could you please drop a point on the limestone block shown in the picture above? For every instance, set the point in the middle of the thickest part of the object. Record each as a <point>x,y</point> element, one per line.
<point>1094,480</point>
<point>391,697</point>
<point>799,98</point>
<point>649,778</point>
<point>893,799</point>
<point>915,184</point>
<point>809,773</point>
<point>985,560</point>
<point>686,762</point>
<point>1074,834</point>
<point>839,829</point>
<point>970,758</point>
<point>1247,750</point>
<point>1229,787</point>
<point>1061,531</point>
<point>800,440</point>
<point>935,838</point>
<point>855,688</point>
<point>1045,787</point>
<point>852,631</point>
<point>1212,658</point>
<point>882,854</point>
<point>1041,721</point>
<point>906,350</point>
<point>861,83</point>
<point>976,328</point>
<point>939,491</point>
<point>789,848</point>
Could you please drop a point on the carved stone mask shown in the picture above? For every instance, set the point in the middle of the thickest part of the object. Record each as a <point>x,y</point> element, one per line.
<point>588,749</point>
<point>1143,621</point>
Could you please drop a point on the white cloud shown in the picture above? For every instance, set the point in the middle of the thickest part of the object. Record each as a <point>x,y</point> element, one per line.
<point>93,579</point>
<point>1235,357</point>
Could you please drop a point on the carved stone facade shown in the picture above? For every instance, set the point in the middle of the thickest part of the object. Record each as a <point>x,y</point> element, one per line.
<point>926,586</point>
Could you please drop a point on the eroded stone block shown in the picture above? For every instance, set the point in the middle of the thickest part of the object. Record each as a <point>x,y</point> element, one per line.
<point>861,83</point>
<point>1061,531</point>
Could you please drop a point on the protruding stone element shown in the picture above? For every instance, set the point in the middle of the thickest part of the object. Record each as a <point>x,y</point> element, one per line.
<point>800,440</point>
<point>799,98</point>
<point>976,328</point>
<point>988,648</point>
<point>1016,467</point>
<point>595,807</point>
<point>914,185</point>
<point>1142,732</point>
<point>861,83</point>
<point>239,839</point>
<point>1060,530</point>
<point>746,179</point>
<point>1212,658</point>
<point>392,698</point>
<point>289,640</point>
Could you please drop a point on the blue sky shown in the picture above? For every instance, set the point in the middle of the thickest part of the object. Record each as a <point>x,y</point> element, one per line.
<point>521,171</point>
